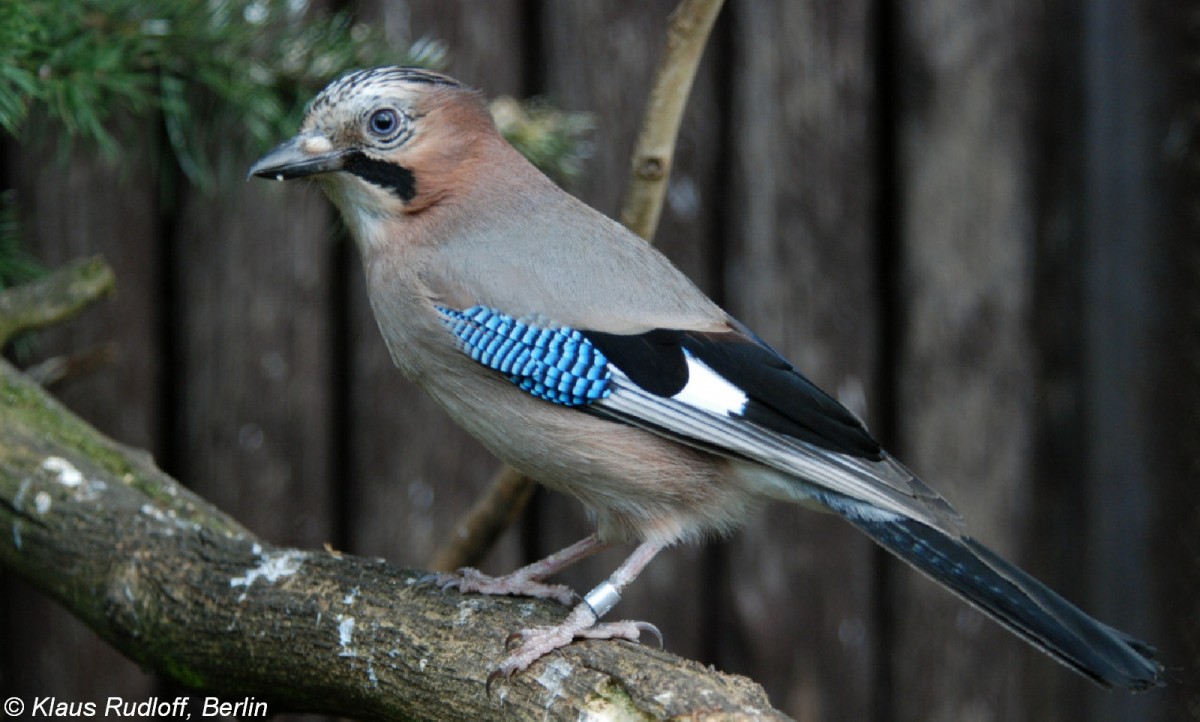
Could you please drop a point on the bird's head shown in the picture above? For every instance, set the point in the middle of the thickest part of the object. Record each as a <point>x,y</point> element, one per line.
<point>385,142</point>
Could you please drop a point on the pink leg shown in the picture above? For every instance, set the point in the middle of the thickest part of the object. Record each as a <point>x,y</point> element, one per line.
<point>582,621</point>
<point>526,581</point>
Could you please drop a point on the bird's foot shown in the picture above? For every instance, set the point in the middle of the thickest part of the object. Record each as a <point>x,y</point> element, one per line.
<point>516,584</point>
<point>580,624</point>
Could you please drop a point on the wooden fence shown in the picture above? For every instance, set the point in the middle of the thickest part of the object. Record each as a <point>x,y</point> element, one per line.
<point>975,222</point>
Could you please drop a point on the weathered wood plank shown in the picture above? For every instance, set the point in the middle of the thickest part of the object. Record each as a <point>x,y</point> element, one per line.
<point>1059,445</point>
<point>800,272</point>
<point>601,58</point>
<point>964,404</point>
<point>1124,260</point>
<point>253,334</point>
<point>1175,396</point>
<point>1175,393</point>
<point>411,472</point>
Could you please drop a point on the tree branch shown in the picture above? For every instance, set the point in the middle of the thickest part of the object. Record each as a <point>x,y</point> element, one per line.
<point>687,34</point>
<point>181,588</point>
<point>54,298</point>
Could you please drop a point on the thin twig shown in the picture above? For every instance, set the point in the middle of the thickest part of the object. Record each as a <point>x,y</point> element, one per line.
<point>687,33</point>
<point>688,29</point>
<point>66,367</point>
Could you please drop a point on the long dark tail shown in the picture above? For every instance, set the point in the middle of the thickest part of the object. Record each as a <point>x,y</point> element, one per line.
<point>1019,602</point>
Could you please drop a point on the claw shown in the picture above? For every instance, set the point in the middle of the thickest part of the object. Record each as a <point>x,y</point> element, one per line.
<point>495,675</point>
<point>448,580</point>
<point>648,627</point>
<point>429,578</point>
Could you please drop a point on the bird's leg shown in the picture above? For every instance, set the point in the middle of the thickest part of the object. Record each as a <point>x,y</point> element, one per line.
<point>582,621</point>
<point>528,580</point>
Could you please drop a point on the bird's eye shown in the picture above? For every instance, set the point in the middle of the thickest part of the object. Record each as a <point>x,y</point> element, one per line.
<point>383,122</point>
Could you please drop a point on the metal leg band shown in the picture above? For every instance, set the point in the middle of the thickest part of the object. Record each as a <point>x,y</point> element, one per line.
<point>602,599</point>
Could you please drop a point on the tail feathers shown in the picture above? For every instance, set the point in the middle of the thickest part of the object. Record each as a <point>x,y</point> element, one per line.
<point>1018,601</point>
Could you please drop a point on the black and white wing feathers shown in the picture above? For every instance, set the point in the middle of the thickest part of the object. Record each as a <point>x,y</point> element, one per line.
<point>730,393</point>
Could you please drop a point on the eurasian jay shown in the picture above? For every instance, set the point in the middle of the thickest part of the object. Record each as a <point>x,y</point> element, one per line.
<point>577,353</point>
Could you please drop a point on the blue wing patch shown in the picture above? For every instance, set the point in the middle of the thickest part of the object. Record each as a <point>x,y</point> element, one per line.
<point>555,364</point>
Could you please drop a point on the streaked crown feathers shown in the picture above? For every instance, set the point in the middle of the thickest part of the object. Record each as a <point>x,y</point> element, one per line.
<point>374,82</point>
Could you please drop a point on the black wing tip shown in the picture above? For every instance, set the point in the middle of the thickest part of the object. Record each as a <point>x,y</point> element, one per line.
<point>1151,674</point>
<point>1151,678</point>
<point>1025,606</point>
<point>1151,681</point>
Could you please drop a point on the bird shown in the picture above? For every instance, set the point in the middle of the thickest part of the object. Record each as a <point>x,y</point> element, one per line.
<point>580,355</point>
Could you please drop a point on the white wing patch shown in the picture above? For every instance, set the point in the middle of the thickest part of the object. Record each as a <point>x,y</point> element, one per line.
<point>708,390</point>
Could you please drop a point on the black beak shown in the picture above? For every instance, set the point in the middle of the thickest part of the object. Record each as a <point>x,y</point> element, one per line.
<point>306,154</point>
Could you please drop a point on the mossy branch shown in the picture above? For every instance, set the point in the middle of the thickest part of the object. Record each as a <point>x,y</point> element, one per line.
<point>53,298</point>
